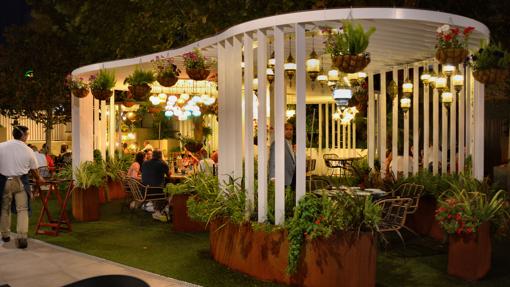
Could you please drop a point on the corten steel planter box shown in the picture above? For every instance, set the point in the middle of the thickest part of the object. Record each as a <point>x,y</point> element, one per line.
<point>180,219</point>
<point>341,260</point>
<point>116,189</point>
<point>85,204</point>
<point>423,221</point>
<point>469,256</point>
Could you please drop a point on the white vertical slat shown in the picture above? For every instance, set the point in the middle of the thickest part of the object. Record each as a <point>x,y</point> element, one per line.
<point>435,128</point>
<point>235,78</point>
<point>479,132</point>
<point>321,120</point>
<point>300,112</point>
<point>102,130</point>
<point>111,129</point>
<point>371,120</point>
<point>416,124</point>
<point>453,130</point>
<point>335,131</point>
<point>405,168</point>
<point>444,139</point>
<point>382,123</point>
<point>349,139</point>
<point>462,116</point>
<point>95,122</point>
<point>82,127</point>
<point>328,119</point>
<point>426,128</point>
<point>344,140</point>
<point>394,128</point>
<point>262,124</point>
<point>354,154</point>
<point>248,123</point>
<point>279,118</point>
<point>223,115</point>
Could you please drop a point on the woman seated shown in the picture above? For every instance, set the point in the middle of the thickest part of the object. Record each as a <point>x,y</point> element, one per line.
<point>135,168</point>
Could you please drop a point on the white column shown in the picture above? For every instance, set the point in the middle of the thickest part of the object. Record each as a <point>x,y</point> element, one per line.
<point>453,130</point>
<point>300,112</point>
<point>111,130</point>
<point>468,90</point>
<point>382,123</point>
<point>479,132</point>
<point>435,128</point>
<point>444,139</point>
<point>416,123</point>
<point>102,130</point>
<point>262,124</point>
<point>248,123</point>
<point>426,128</point>
<point>235,96</point>
<point>371,120</point>
<point>405,168</point>
<point>223,115</point>
<point>462,116</point>
<point>95,112</point>
<point>82,136</point>
<point>328,119</point>
<point>394,128</point>
<point>279,121</point>
<point>321,119</point>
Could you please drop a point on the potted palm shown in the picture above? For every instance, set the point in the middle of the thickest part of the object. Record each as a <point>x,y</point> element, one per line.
<point>491,64</point>
<point>139,82</point>
<point>348,47</point>
<point>451,47</point>
<point>197,65</point>
<point>167,73</point>
<point>101,84</point>
<point>78,87</point>
<point>89,176</point>
<point>465,216</point>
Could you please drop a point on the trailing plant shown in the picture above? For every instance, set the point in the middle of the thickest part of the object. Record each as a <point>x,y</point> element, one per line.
<point>89,174</point>
<point>321,216</point>
<point>452,37</point>
<point>104,80</point>
<point>351,39</point>
<point>74,83</point>
<point>196,60</point>
<point>492,56</point>
<point>140,77</point>
<point>165,67</point>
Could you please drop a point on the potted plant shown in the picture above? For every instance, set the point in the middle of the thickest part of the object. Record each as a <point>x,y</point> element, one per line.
<point>115,169</point>
<point>167,73</point>
<point>191,144</point>
<point>465,216</point>
<point>197,65</point>
<point>491,64</point>
<point>451,47</point>
<point>101,84</point>
<point>89,176</point>
<point>348,47</point>
<point>78,87</point>
<point>139,82</point>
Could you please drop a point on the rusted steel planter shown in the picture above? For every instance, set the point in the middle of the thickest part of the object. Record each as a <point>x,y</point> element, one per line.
<point>85,204</point>
<point>423,221</point>
<point>469,256</point>
<point>180,219</point>
<point>344,259</point>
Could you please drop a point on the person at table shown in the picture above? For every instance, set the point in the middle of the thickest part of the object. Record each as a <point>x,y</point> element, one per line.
<point>17,161</point>
<point>155,170</point>
<point>134,170</point>
<point>148,154</point>
<point>49,159</point>
<point>290,159</point>
<point>205,165</point>
<point>147,146</point>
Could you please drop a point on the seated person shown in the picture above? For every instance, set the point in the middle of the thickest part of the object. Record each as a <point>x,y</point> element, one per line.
<point>148,154</point>
<point>205,165</point>
<point>155,170</point>
<point>135,168</point>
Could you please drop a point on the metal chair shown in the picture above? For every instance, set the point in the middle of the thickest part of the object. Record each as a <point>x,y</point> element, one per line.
<point>331,165</point>
<point>393,215</point>
<point>141,193</point>
<point>412,191</point>
<point>316,184</point>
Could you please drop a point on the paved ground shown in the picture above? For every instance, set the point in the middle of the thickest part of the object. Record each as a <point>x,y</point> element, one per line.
<point>46,265</point>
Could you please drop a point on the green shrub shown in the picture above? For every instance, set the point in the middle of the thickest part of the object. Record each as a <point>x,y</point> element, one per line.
<point>140,77</point>
<point>352,40</point>
<point>492,56</point>
<point>105,80</point>
<point>89,174</point>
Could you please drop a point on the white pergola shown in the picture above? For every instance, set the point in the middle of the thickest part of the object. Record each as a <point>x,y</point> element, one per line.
<point>404,40</point>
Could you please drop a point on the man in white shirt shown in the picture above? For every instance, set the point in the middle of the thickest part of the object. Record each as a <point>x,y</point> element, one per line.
<point>147,146</point>
<point>16,161</point>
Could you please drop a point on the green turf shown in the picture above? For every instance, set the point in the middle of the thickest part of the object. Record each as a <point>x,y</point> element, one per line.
<point>141,242</point>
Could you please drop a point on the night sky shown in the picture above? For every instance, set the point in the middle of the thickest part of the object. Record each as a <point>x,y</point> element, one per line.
<point>13,12</point>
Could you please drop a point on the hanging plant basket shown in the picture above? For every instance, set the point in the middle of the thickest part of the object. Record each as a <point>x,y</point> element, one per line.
<point>154,109</point>
<point>140,92</point>
<point>102,95</point>
<point>128,104</point>
<point>491,76</point>
<point>351,63</point>
<point>167,81</point>
<point>452,56</point>
<point>193,147</point>
<point>197,74</point>
<point>80,93</point>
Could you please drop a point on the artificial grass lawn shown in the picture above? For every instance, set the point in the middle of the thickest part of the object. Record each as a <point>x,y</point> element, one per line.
<point>144,243</point>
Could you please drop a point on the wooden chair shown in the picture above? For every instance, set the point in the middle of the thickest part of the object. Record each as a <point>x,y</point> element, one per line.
<point>393,215</point>
<point>412,191</point>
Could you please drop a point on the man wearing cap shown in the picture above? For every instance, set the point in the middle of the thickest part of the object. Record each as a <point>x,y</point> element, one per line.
<point>16,161</point>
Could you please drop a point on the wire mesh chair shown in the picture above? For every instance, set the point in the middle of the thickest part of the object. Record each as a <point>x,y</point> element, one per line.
<point>332,163</point>
<point>316,184</point>
<point>412,191</point>
<point>393,215</point>
<point>141,193</point>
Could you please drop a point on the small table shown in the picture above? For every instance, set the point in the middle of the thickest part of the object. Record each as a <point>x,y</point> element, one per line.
<point>45,218</point>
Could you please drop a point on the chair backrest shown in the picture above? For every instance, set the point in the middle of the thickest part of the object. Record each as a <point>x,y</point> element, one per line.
<point>329,156</point>
<point>137,189</point>
<point>316,184</point>
<point>310,165</point>
<point>410,190</point>
<point>393,214</point>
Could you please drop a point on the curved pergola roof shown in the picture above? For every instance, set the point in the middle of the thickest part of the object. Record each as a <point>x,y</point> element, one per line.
<point>403,36</point>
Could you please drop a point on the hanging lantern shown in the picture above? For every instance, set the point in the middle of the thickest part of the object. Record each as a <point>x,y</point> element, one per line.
<point>425,76</point>
<point>333,75</point>
<point>342,94</point>
<point>448,69</point>
<point>270,75</point>
<point>290,65</point>
<point>393,89</point>
<point>432,80</point>
<point>407,87</point>
<point>446,97</point>
<point>271,61</point>
<point>255,84</point>
<point>405,104</point>
<point>441,82</point>
<point>313,64</point>
<point>352,78</point>
<point>458,82</point>
<point>154,100</point>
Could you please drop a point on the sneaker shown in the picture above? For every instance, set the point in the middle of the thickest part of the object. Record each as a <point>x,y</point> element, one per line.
<point>21,243</point>
<point>160,216</point>
<point>6,238</point>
